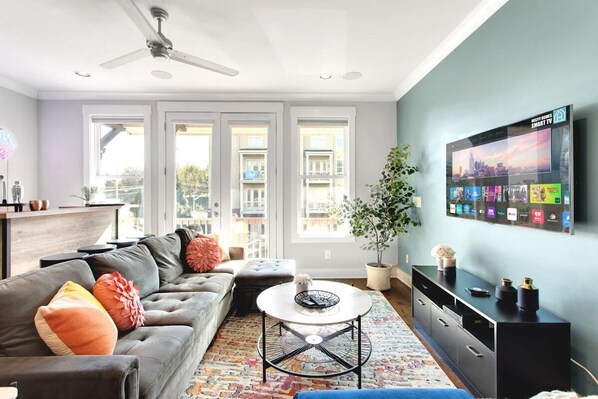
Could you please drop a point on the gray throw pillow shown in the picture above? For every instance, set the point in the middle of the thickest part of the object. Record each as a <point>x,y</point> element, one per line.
<point>134,263</point>
<point>166,251</point>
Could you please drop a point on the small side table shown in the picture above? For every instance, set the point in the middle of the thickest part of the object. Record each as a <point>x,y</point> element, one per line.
<point>8,393</point>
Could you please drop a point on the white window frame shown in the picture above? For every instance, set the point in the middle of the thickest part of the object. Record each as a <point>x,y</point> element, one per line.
<point>320,113</point>
<point>89,147</point>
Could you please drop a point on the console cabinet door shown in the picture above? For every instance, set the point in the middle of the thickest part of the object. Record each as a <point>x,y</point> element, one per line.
<point>444,332</point>
<point>421,309</point>
<point>477,362</point>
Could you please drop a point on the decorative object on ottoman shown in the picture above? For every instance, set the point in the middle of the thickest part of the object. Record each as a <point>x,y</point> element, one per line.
<point>387,215</point>
<point>203,254</point>
<point>527,296</point>
<point>302,282</point>
<point>121,300</point>
<point>75,323</point>
<point>440,252</point>
<point>506,294</point>
<point>256,276</point>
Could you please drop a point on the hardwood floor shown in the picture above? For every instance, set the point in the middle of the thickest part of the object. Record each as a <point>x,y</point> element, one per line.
<point>399,297</point>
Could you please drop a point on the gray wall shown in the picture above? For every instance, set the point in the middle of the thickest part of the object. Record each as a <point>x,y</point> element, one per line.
<point>18,114</point>
<point>531,56</point>
<point>61,171</point>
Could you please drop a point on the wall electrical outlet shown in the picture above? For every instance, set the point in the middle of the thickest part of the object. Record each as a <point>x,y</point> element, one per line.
<point>406,258</point>
<point>327,254</point>
<point>417,201</point>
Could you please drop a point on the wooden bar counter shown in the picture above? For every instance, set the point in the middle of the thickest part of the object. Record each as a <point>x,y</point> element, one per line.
<point>28,236</point>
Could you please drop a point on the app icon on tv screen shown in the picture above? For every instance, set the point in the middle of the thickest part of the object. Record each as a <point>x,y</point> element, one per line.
<point>546,193</point>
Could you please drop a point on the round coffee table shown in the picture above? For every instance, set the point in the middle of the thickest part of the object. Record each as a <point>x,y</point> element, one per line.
<point>311,342</point>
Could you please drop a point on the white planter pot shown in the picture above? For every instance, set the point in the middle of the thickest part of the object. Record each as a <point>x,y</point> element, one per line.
<point>378,277</point>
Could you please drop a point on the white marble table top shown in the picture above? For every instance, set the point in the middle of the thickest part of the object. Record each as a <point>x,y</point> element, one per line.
<point>279,302</point>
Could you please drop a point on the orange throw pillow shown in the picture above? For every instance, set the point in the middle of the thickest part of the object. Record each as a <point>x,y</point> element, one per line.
<point>121,300</point>
<point>75,323</point>
<point>203,254</point>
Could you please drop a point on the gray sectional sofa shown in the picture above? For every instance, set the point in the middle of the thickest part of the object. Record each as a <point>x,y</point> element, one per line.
<point>183,311</point>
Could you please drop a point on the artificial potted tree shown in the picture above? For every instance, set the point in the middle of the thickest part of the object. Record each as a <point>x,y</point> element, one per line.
<point>387,214</point>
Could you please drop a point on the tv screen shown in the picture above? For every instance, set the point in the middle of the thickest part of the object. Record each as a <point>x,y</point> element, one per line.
<point>520,174</point>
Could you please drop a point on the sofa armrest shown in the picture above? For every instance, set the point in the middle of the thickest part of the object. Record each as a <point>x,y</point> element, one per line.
<point>72,376</point>
<point>236,253</point>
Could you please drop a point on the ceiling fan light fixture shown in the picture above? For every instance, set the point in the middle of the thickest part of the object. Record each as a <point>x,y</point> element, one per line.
<point>160,53</point>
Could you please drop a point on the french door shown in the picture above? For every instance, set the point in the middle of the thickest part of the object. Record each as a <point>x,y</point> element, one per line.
<point>220,177</point>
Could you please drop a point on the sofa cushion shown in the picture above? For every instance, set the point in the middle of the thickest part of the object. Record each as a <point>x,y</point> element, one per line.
<point>166,251</point>
<point>75,323</point>
<point>179,308</point>
<point>133,263</point>
<point>231,267</point>
<point>120,299</point>
<point>22,295</point>
<point>218,283</point>
<point>160,350</point>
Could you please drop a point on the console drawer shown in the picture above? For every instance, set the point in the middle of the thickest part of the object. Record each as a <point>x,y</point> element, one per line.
<point>477,362</point>
<point>444,332</point>
<point>421,309</point>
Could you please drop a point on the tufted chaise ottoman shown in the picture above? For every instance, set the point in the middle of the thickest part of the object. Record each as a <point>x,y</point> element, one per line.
<point>258,275</point>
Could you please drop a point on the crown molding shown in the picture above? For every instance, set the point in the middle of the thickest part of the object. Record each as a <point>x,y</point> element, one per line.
<point>469,25</point>
<point>139,96</point>
<point>18,87</point>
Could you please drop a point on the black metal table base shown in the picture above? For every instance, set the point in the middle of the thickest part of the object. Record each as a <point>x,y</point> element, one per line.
<point>314,351</point>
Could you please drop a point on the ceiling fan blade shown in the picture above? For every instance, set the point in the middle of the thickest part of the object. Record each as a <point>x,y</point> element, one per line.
<point>125,59</point>
<point>140,20</point>
<point>201,63</point>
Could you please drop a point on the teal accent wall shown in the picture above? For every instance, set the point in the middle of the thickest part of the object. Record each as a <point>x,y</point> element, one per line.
<point>531,56</point>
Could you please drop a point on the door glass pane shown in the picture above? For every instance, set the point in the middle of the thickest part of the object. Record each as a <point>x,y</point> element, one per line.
<point>119,172</point>
<point>193,160</point>
<point>249,189</point>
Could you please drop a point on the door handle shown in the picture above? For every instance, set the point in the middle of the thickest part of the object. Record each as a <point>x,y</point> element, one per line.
<point>216,214</point>
<point>472,350</point>
<point>442,322</point>
<point>421,302</point>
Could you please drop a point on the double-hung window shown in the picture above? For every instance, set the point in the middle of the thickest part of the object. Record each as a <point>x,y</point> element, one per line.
<point>116,145</point>
<point>323,170</point>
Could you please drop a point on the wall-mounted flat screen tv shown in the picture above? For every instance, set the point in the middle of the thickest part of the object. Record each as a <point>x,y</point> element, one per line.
<point>520,174</point>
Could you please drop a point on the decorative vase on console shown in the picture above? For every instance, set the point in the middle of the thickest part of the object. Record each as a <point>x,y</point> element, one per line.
<point>302,282</point>
<point>449,265</point>
<point>527,296</point>
<point>506,294</point>
<point>17,192</point>
<point>440,252</point>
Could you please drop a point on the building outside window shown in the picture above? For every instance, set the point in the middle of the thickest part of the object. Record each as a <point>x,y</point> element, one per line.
<point>323,140</point>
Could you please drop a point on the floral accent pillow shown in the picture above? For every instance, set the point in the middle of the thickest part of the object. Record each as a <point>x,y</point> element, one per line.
<point>203,254</point>
<point>121,300</point>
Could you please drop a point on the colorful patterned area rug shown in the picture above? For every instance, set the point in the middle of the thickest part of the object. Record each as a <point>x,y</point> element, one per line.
<point>232,367</point>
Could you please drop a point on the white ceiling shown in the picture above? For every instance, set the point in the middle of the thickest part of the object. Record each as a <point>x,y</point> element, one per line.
<point>280,47</point>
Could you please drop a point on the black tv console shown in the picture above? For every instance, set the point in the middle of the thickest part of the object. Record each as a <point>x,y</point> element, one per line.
<point>498,351</point>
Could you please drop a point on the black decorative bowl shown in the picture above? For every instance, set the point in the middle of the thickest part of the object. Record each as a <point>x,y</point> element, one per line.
<point>316,299</point>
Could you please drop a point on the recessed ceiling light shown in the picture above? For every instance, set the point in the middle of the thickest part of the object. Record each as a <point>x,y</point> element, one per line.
<point>82,74</point>
<point>161,74</point>
<point>325,76</point>
<point>352,75</point>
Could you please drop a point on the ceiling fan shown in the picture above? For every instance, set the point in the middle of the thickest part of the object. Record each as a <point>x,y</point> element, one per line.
<point>158,45</point>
